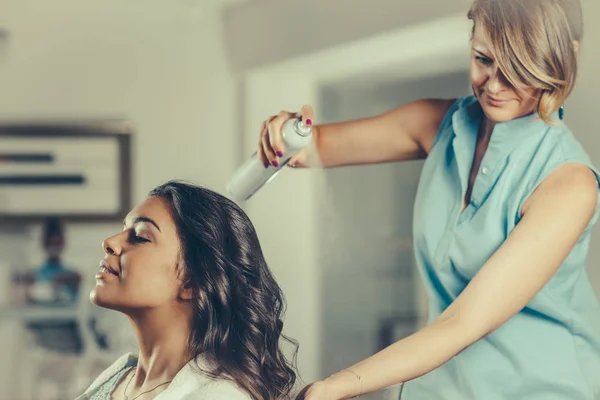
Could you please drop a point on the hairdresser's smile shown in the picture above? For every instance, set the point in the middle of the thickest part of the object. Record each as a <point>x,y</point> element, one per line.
<point>495,102</point>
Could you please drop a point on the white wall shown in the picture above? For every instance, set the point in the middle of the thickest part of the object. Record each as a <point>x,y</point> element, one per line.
<point>159,63</point>
<point>581,112</point>
<point>366,234</point>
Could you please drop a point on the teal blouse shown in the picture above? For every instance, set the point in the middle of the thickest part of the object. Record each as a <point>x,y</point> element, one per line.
<point>551,349</point>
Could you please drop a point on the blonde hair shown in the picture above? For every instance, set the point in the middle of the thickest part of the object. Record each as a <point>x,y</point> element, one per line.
<point>535,44</point>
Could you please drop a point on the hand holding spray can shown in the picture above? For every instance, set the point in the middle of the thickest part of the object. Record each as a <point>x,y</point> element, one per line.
<point>252,175</point>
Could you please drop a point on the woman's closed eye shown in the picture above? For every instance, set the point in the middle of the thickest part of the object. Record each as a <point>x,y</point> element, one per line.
<point>137,238</point>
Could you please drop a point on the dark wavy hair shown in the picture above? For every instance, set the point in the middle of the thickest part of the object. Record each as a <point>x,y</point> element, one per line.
<point>238,304</point>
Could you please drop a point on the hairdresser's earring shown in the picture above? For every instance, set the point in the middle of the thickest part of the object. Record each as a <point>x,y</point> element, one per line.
<point>561,111</point>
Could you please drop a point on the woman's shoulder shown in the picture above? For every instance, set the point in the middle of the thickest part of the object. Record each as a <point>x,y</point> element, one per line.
<point>556,144</point>
<point>192,382</point>
<point>121,363</point>
<point>223,390</point>
<point>126,360</point>
<point>545,150</point>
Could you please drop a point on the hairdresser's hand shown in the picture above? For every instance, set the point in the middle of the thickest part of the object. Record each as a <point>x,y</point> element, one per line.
<point>322,390</point>
<point>270,144</point>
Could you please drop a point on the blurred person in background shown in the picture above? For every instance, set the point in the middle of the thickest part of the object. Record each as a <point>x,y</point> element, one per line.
<point>502,219</point>
<point>63,281</point>
<point>189,273</point>
<point>54,283</point>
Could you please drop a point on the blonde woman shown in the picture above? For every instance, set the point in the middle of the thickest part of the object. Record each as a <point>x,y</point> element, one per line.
<point>503,214</point>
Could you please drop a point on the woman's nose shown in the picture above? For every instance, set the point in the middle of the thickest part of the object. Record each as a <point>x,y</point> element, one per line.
<point>496,81</point>
<point>111,246</point>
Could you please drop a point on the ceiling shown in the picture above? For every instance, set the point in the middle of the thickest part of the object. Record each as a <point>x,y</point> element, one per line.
<point>260,32</point>
<point>223,4</point>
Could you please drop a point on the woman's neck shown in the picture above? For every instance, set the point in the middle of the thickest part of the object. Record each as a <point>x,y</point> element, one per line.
<point>162,337</point>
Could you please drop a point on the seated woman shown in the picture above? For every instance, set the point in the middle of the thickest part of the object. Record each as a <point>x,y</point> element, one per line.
<point>189,273</point>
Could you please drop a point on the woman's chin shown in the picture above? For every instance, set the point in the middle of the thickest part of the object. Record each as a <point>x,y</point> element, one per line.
<point>100,298</point>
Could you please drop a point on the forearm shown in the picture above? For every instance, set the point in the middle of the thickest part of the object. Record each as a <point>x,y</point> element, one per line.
<point>406,359</point>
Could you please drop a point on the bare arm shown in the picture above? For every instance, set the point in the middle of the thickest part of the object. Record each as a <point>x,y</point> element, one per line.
<point>404,133</point>
<point>508,281</point>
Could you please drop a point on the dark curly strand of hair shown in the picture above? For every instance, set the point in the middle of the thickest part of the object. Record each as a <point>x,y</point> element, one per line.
<point>239,306</point>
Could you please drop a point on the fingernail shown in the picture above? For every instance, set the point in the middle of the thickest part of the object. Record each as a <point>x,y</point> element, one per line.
<point>279,153</point>
<point>275,163</point>
<point>308,121</point>
<point>295,163</point>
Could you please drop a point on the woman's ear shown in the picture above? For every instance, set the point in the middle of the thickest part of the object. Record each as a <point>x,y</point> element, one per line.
<point>186,293</point>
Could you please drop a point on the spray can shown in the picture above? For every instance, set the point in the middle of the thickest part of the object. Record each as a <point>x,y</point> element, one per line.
<point>252,175</point>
